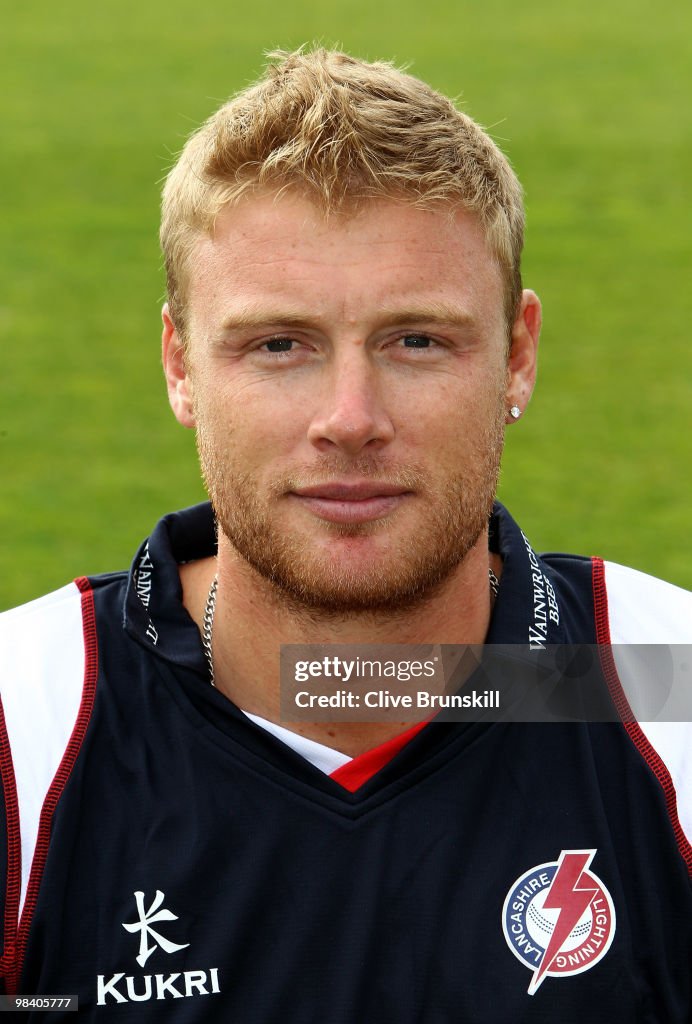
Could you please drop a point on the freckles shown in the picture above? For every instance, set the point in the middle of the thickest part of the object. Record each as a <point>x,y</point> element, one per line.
<point>448,413</point>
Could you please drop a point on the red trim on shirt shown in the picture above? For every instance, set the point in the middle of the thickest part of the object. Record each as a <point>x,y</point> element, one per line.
<point>362,768</point>
<point>651,756</point>
<point>64,769</point>
<point>14,852</point>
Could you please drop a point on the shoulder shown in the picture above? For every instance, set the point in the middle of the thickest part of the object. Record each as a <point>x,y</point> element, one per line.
<point>643,609</point>
<point>48,669</point>
<point>45,661</point>
<point>48,664</point>
<point>47,630</point>
<point>647,625</point>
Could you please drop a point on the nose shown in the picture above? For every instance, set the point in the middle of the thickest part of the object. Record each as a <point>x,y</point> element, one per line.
<point>351,415</point>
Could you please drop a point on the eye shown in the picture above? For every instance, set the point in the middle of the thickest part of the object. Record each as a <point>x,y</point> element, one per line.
<point>277,345</point>
<point>416,341</point>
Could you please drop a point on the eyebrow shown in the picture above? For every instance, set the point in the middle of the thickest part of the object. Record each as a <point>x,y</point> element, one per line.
<point>251,317</point>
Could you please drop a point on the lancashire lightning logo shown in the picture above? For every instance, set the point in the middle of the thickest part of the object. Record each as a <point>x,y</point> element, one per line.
<point>146,918</point>
<point>558,918</point>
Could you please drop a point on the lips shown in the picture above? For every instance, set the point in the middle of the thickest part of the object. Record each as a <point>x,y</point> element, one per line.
<point>351,501</point>
<point>346,491</point>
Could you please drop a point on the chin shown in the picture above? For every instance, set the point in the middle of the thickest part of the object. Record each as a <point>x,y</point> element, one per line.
<point>362,586</point>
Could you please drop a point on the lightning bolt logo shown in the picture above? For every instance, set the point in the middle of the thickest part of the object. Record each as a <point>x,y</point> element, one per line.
<point>558,918</point>
<point>571,892</point>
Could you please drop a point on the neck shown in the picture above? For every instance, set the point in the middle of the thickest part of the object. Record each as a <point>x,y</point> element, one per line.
<point>252,620</point>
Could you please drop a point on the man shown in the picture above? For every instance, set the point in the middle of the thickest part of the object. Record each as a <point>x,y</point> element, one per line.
<point>347,333</point>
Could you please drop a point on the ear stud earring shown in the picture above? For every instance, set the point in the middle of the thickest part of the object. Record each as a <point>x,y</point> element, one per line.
<point>515,412</point>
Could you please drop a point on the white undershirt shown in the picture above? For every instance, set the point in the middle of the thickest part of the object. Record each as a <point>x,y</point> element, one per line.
<point>322,757</point>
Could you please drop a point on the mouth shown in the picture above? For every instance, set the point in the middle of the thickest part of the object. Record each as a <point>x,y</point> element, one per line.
<point>351,502</point>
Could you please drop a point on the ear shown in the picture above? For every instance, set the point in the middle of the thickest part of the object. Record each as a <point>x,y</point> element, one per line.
<point>523,354</point>
<point>175,371</point>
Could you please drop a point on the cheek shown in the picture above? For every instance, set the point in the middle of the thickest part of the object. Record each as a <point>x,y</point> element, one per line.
<point>248,430</point>
<point>452,407</point>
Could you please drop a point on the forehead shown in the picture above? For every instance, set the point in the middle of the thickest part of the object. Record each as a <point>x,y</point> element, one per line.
<point>284,250</point>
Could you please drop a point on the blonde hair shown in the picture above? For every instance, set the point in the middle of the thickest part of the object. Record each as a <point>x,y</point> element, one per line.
<point>342,131</point>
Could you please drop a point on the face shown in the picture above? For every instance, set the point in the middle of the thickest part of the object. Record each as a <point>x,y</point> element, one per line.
<point>349,383</point>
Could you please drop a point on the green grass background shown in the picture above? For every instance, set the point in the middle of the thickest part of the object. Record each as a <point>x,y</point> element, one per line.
<point>591,102</point>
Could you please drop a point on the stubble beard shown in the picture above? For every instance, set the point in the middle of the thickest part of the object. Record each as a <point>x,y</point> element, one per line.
<point>412,568</point>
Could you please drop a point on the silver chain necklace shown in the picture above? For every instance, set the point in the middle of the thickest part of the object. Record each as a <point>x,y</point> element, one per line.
<point>210,608</point>
<point>208,626</point>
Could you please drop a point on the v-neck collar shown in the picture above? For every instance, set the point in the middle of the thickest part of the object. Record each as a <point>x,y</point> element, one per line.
<point>527,613</point>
